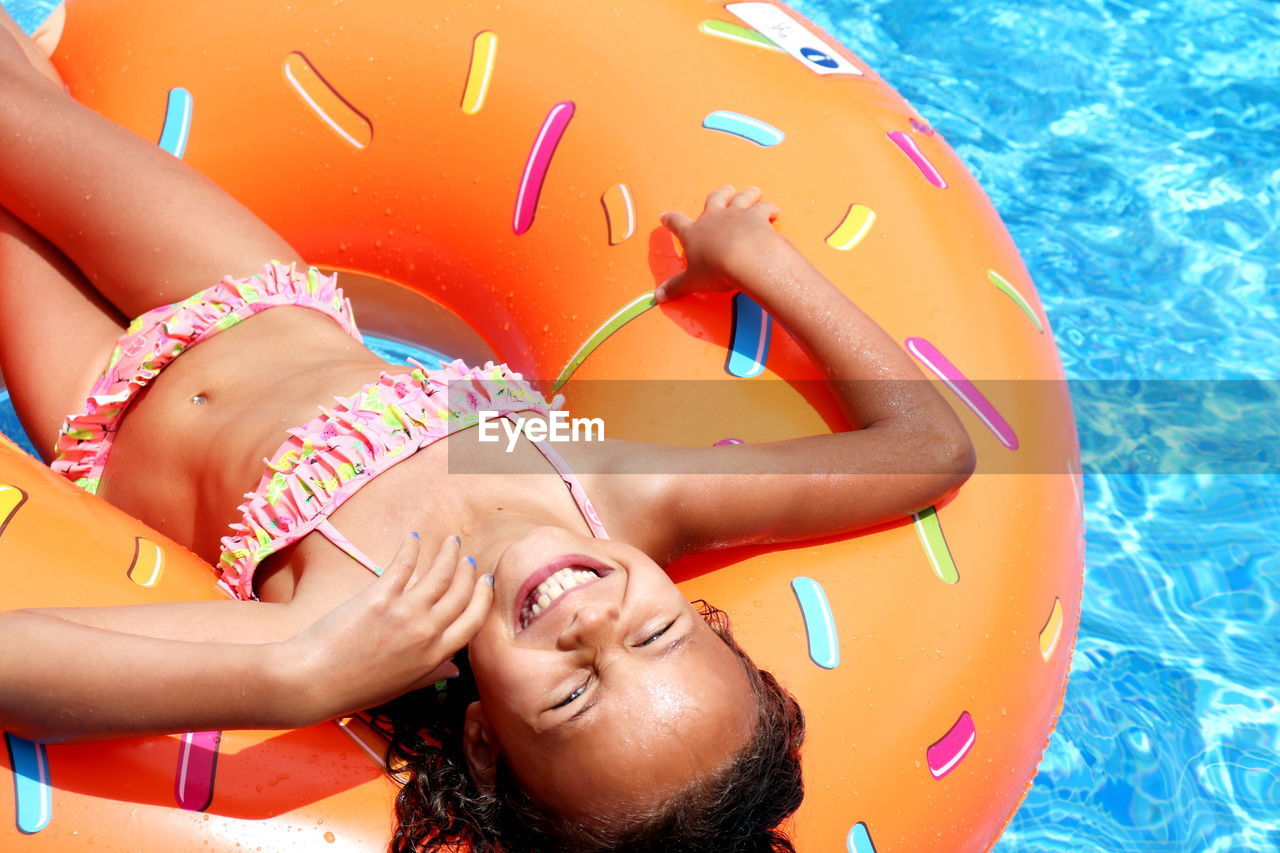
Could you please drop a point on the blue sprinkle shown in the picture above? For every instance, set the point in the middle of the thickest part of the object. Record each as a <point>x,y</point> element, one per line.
<point>753,129</point>
<point>30,763</point>
<point>749,341</point>
<point>177,122</point>
<point>819,624</point>
<point>860,839</point>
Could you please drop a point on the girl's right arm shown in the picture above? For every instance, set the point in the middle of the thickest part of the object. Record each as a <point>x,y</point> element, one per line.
<point>61,680</point>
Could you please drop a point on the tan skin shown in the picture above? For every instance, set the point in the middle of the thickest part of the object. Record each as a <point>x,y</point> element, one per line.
<point>620,669</point>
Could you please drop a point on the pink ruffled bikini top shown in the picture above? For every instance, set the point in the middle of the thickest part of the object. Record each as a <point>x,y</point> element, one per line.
<point>328,459</point>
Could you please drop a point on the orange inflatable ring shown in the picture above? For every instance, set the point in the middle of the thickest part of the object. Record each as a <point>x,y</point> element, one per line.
<point>500,167</point>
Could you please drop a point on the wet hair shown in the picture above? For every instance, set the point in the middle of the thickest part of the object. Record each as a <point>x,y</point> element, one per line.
<point>736,809</point>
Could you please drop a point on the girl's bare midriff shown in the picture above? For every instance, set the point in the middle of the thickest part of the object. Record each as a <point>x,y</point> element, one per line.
<point>195,443</point>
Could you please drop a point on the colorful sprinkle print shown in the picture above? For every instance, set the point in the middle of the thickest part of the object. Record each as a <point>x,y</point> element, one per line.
<point>746,127</point>
<point>367,738</point>
<point>177,122</point>
<point>324,100</point>
<point>952,747</point>
<point>968,393</point>
<point>1051,631</point>
<point>625,315</point>
<point>859,840</point>
<point>935,544</point>
<point>535,168</point>
<point>1018,299</point>
<point>619,212</point>
<point>857,221</point>
<point>819,624</point>
<point>913,152</point>
<point>11,498</point>
<point>147,566</point>
<point>920,126</point>
<point>33,798</point>
<point>738,33</point>
<point>752,329</point>
<point>197,765</point>
<point>484,50</point>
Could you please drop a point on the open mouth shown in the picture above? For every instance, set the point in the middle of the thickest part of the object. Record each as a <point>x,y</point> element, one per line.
<point>549,585</point>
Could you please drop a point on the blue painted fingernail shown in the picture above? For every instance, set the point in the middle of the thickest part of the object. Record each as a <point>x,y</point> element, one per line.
<point>414,535</point>
<point>489,580</point>
<point>457,540</point>
<point>472,561</point>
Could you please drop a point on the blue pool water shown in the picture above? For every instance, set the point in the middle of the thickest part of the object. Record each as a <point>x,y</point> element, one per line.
<point>1133,149</point>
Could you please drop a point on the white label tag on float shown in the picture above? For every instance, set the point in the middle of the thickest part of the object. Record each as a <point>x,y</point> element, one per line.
<point>793,37</point>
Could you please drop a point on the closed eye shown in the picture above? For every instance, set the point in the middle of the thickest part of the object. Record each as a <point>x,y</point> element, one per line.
<point>657,634</point>
<point>574,695</point>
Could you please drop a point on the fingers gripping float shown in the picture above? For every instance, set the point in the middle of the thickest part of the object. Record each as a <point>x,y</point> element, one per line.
<point>732,228</point>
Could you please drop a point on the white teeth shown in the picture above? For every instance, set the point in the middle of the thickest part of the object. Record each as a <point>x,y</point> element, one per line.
<point>552,588</point>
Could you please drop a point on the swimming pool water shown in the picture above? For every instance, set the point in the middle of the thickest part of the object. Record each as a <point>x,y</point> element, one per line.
<point>1133,149</point>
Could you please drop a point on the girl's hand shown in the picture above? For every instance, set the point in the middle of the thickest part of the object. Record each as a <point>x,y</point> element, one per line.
<point>733,235</point>
<point>395,636</point>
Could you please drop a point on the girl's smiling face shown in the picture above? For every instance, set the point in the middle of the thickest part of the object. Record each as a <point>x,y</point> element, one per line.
<point>599,683</point>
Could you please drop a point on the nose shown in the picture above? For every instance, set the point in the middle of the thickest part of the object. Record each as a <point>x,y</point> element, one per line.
<point>592,624</point>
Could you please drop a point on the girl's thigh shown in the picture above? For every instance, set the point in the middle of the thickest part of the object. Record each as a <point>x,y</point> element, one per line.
<point>145,228</point>
<point>57,332</point>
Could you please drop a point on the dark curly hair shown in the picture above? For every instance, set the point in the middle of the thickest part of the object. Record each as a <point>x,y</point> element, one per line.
<point>736,810</point>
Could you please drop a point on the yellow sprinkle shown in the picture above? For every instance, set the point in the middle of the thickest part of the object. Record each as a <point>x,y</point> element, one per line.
<point>147,566</point>
<point>484,51</point>
<point>855,225</point>
<point>1052,630</point>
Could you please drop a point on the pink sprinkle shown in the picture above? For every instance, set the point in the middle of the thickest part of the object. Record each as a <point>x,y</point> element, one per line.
<point>944,755</point>
<point>724,442</point>
<point>197,762</point>
<point>909,147</point>
<point>920,127</point>
<point>535,168</point>
<point>964,389</point>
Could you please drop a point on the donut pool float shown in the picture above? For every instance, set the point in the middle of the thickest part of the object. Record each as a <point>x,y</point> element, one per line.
<point>487,178</point>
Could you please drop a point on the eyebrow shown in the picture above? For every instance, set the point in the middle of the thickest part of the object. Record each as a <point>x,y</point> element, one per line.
<point>680,643</point>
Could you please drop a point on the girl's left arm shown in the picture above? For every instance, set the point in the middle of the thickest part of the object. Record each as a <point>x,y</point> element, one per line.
<point>905,450</point>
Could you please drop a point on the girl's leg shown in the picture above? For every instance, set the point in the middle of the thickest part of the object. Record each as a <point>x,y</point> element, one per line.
<point>58,331</point>
<point>144,227</point>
